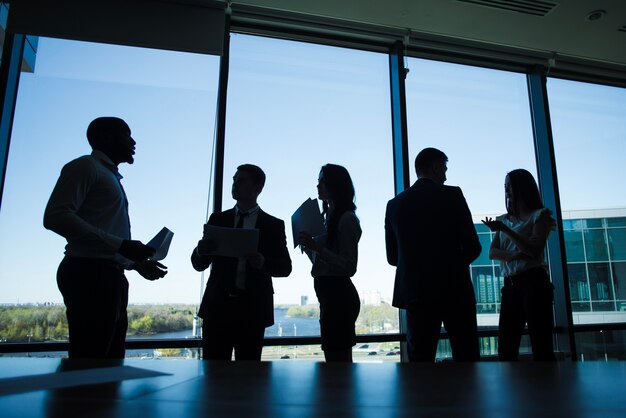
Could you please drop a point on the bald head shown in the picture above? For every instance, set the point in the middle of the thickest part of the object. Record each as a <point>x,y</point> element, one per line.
<point>111,136</point>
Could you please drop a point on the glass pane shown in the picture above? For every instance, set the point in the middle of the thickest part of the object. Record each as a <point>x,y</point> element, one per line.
<point>579,287</point>
<point>595,245</point>
<point>469,113</point>
<point>387,352</point>
<point>168,99</point>
<point>486,289</point>
<point>619,280</point>
<point>572,224</point>
<point>483,258</point>
<point>617,243</point>
<point>589,128</point>
<point>600,282</point>
<point>602,345</point>
<point>293,107</point>
<point>616,222</point>
<point>488,349</point>
<point>574,248</point>
<point>594,223</point>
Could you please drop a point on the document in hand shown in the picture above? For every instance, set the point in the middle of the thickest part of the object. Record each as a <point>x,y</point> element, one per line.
<point>232,242</point>
<point>307,218</point>
<point>161,243</point>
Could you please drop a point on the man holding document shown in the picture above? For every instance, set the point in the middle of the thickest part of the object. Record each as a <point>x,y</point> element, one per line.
<point>246,247</point>
<point>88,207</point>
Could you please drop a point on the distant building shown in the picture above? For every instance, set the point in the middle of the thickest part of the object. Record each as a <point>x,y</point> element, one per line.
<point>304,300</point>
<point>371,298</point>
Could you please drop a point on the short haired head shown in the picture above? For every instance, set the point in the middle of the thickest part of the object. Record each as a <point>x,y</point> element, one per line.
<point>100,130</point>
<point>258,176</point>
<point>427,160</point>
<point>111,136</point>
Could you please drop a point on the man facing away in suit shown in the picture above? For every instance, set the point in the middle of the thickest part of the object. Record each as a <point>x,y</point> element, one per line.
<point>431,239</point>
<point>238,303</point>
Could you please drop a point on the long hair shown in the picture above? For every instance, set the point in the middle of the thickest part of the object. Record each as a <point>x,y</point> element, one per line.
<point>341,192</point>
<point>525,191</point>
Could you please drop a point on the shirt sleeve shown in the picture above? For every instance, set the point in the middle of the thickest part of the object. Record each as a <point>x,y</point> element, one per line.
<point>544,215</point>
<point>61,214</point>
<point>344,256</point>
<point>202,262</point>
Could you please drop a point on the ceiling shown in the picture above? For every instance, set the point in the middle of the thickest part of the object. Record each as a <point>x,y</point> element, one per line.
<point>561,28</point>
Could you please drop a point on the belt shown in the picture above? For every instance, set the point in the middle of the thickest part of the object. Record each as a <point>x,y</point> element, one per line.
<point>511,279</point>
<point>237,293</point>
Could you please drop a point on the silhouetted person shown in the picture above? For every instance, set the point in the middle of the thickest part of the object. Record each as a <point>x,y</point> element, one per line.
<point>88,207</point>
<point>334,256</point>
<point>431,240</point>
<point>238,303</point>
<point>519,244</point>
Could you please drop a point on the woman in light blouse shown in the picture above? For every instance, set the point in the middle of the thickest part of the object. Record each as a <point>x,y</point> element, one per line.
<point>334,256</point>
<point>519,244</point>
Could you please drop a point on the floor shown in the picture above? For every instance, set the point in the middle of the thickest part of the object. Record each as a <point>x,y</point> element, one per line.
<point>187,388</point>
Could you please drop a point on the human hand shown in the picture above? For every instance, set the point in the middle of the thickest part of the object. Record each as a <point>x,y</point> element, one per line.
<point>306,240</point>
<point>150,269</point>
<point>135,250</point>
<point>206,247</point>
<point>256,260</point>
<point>494,224</point>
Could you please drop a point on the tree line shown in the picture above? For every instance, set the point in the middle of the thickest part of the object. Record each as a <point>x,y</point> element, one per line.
<point>37,323</point>
<point>34,323</point>
<point>372,318</point>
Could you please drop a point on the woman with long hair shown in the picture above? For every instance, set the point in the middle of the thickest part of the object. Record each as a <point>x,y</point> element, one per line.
<point>519,244</point>
<point>334,256</point>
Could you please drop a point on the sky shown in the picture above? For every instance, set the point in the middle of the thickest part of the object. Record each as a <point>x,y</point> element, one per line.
<point>292,107</point>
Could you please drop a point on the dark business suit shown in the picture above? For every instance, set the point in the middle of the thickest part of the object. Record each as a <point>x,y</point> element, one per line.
<point>431,239</point>
<point>236,319</point>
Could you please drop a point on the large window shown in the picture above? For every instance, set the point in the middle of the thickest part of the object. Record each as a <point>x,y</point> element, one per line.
<point>589,140</point>
<point>169,101</point>
<point>480,119</point>
<point>293,107</point>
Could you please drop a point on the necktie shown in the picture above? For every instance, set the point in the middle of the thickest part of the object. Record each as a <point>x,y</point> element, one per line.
<point>242,216</point>
<point>239,278</point>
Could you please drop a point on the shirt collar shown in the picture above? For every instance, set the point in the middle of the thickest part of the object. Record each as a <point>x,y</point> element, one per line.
<point>252,211</point>
<point>106,161</point>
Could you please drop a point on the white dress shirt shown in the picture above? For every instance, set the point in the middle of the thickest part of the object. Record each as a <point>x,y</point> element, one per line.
<point>249,222</point>
<point>88,207</point>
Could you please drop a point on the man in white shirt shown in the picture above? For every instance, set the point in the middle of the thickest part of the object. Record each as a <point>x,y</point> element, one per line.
<point>88,207</point>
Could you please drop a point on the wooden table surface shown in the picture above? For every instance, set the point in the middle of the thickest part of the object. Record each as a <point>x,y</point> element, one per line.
<point>53,388</point>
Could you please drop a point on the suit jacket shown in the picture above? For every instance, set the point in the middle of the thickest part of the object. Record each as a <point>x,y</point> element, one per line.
<point>259,290</point>
<point>431,239</point>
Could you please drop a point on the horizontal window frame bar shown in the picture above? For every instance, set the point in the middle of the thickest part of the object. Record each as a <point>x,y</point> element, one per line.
<point>262,21</point>
<point>139,344</point>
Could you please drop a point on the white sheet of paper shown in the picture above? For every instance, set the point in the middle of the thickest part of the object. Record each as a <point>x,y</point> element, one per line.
<point>232,242</point>
<point>161,243</point>
<point>307,218</point>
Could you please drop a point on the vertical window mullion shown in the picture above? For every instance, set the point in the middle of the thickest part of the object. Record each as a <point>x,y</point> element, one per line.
<point>548,184</point>
<point>397,75</point>
<point>220,128</point>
